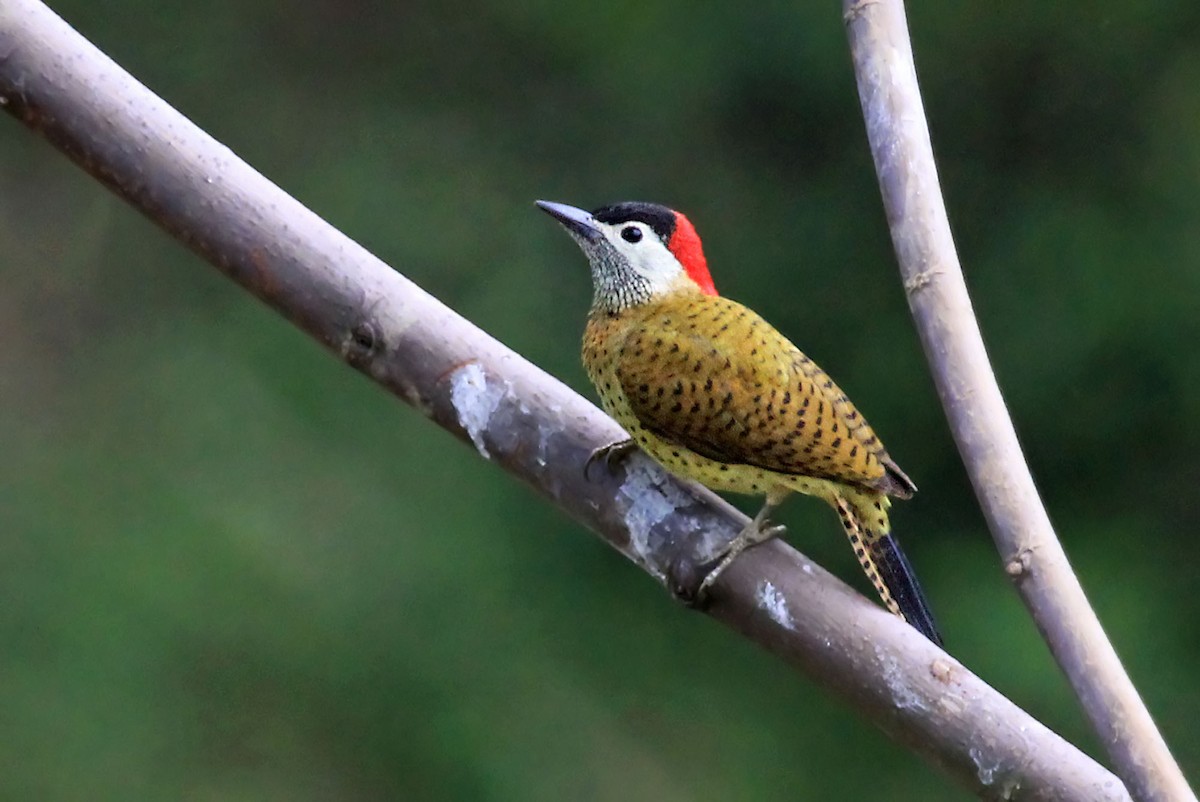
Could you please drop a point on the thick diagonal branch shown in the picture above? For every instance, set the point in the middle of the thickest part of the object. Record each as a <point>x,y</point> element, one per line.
<point>516,416</point>
<point>937,293</point>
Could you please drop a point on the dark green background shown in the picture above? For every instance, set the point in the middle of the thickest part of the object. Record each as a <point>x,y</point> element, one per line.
<point>232,568</point>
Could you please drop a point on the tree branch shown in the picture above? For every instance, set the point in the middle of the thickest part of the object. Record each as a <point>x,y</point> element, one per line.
<point>517,416</point>
<point>937,294</point>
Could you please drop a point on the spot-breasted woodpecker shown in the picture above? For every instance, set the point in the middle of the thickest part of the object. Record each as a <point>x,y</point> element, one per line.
<point>714,393</point>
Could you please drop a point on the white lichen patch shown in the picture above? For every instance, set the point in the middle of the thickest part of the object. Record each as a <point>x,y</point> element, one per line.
<point>771,601</point>
<point>991,768</point>
<point>645,500</point>
<point>647,497</point>
<point>547,432</point>
<point>904,695</point>
<point>475,401</point>
<point>986,765</point>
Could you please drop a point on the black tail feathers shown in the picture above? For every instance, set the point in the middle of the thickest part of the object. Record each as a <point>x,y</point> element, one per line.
<point>901,581</point>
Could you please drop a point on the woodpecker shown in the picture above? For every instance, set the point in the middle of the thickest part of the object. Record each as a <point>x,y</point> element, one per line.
<point>714,393</point>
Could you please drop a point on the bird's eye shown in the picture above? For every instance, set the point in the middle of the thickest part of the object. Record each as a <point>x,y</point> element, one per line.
<point>631,234</point>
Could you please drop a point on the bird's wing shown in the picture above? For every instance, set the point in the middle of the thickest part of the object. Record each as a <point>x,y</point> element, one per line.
<point>725,384</point>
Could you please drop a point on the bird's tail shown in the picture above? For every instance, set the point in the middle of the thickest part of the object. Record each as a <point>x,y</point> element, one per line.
<point>888,569</point>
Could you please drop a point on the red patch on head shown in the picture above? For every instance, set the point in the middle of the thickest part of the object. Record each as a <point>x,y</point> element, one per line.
<point>685,244</point>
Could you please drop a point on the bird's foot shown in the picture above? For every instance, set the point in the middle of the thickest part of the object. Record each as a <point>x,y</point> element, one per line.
<point>611,454</point>
<point>760,530</point>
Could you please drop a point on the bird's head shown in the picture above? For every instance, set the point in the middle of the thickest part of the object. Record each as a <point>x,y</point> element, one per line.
<point>639,252</point>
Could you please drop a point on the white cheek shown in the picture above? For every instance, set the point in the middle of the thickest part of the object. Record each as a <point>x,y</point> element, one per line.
<point>651,260</point>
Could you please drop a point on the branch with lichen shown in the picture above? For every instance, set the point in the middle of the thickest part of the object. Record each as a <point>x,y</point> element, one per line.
<point>519,418</point>
<point>933,281</point>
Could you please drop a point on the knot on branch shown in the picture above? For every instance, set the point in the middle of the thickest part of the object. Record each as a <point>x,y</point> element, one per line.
<point>855,9</point>
<point>920,281</point>
<point>1017,567</point>
<point>361,343</point>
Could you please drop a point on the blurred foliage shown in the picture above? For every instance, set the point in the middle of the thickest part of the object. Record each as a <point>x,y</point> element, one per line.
<point>233,569</point>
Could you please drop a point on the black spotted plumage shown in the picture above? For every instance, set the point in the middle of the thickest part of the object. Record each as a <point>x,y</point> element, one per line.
<point>714,393</point>
<point>744,394</point>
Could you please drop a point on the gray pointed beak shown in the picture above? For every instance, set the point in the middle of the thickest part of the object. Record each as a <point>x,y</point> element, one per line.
<point>576,221</point>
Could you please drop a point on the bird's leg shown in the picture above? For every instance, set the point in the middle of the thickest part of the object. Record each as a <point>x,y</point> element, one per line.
<point>611,454</point>
<point>757,531</point>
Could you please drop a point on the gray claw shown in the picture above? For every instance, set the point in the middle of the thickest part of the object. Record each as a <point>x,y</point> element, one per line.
<point>611,454</point>
<point>759,531</point>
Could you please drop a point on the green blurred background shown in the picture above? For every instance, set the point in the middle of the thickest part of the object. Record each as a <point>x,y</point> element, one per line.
<point>234,569</point>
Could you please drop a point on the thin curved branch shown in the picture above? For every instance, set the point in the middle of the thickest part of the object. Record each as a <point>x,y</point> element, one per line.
<point>937,294</point>
<point>518,417</point>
